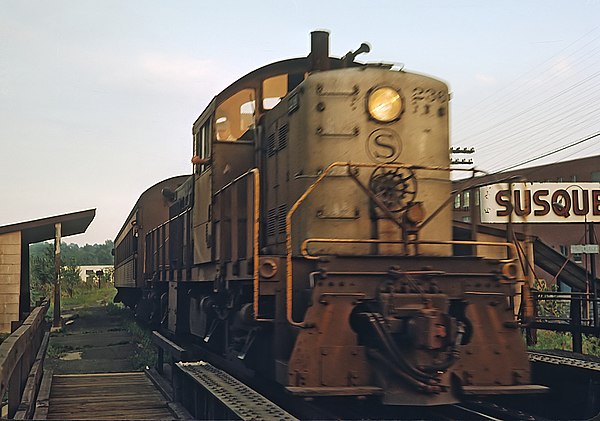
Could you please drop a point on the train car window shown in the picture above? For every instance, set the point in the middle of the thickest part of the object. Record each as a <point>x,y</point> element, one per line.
<point>234,118</point>
<point>274,88</point>
<point>457,201</point>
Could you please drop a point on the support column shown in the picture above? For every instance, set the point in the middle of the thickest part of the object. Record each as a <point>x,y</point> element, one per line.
<point>576,323</point>
<point>56,322</point>
<point>592,257</point>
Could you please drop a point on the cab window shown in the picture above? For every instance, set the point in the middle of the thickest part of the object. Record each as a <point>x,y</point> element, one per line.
<point>274,88</point>
<point>202,147</point>
<point>234,118</point>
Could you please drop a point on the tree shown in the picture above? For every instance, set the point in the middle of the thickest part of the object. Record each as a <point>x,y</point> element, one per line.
<point>95,254</point>
<point>70,278</point>
<point>42,270</point>
<point>72,256</point>
<point>106,278</point>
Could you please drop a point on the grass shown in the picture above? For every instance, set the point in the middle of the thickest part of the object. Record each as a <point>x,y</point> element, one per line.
<point>547,339</point>
<point>89,298</point>
<point>564,341</point>
<point>84,298</point>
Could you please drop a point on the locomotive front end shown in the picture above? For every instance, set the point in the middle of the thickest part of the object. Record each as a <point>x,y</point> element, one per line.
<point>312,246</point>
<point>357,201</point>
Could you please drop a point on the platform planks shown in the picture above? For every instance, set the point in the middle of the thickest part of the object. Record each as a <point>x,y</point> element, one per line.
<point>106,396</point>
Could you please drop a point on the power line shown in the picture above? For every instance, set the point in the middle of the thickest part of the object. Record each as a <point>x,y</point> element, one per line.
<point>544,155</point>
<point>535,106</point>
<point>521,78</point>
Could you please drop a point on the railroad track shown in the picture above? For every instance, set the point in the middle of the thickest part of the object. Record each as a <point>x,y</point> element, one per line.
<point>221,394</point>
<point>240,400</point>
<point>460,412</point>
<point>555,358</point>
<point>216,393</point>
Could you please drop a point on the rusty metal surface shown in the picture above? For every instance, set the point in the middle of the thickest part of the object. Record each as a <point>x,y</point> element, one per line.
<point>239,398</point>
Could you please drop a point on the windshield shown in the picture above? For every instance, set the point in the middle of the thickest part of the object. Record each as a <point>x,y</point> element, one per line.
<point>234,118</point>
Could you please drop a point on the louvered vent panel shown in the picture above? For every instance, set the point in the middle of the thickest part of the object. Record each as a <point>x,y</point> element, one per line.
<point>282,213</point>
<point>271,221</point>
<point>271,145</point>
<point>282,140</point>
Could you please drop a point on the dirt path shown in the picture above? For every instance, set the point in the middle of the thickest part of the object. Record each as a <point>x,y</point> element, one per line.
<point>95,340</point>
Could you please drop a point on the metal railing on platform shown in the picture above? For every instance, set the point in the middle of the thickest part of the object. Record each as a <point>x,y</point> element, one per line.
<point>573,312</point>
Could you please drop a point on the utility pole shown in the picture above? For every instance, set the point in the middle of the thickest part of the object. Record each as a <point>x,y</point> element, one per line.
<point>473,214</point>
<point>56,321</point>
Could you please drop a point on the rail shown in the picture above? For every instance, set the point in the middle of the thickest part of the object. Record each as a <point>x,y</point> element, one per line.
<point>21,364</point>
<point>566,311</point>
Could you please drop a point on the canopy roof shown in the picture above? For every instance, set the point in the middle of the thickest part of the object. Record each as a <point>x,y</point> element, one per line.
<point>43,229</point>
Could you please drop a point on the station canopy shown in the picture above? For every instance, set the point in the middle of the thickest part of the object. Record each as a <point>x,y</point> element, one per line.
<point>44,229</point>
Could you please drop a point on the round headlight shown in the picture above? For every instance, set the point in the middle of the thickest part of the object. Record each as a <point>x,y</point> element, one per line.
<point>384,104</point>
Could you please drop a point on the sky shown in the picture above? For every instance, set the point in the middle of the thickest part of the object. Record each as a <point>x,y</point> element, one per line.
<point>97,98</point>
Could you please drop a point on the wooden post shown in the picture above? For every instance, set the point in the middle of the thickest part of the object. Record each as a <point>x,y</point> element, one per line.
<point>57,228</point>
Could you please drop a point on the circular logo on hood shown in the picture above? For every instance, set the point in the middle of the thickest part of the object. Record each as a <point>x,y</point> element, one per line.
<point>384,145</point>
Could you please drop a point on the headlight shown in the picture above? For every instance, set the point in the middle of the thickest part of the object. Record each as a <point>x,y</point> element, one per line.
<point>384,104</point>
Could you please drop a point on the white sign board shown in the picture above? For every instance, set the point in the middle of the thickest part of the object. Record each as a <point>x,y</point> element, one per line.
<point>540,202</point>
<point>576,248</point>
<point>584,248</point>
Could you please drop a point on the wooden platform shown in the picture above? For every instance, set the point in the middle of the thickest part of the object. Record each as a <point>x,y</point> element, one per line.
<point>106,396</point>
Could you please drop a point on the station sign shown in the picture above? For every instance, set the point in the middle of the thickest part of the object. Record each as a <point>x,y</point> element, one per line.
<point>540,203</point>
<point>584,248</point>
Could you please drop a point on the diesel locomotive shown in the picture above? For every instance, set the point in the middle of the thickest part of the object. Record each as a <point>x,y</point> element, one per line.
<point>312,244</point>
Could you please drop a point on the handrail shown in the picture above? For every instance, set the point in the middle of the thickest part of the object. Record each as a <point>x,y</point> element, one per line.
<point>311,188</point>
<point>308,255</point>
<point>17,355</point>
<point>255,232</point>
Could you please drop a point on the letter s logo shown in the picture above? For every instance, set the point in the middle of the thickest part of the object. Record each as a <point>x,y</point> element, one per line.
<point>384,145</point>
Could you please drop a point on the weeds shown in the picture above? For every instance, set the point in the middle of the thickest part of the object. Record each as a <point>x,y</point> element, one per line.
<point>145,354</point>
<point>56,351</point>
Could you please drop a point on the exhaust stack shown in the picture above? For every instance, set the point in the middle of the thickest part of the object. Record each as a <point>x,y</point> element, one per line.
<point>319,51</point>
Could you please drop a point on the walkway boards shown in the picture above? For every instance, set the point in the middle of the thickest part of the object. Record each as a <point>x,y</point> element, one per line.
<point>106,396</point>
